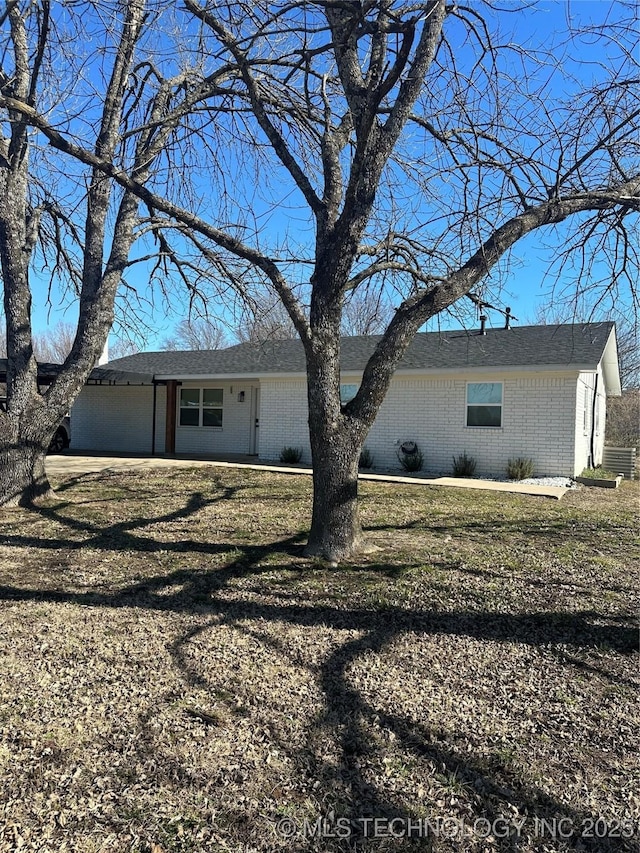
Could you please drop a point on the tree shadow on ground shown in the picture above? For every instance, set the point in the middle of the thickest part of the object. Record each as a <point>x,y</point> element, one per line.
<point>346,713</point>
<point>121,536</point>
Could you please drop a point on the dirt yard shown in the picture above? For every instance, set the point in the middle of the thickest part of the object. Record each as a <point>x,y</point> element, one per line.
<point>175,676</point>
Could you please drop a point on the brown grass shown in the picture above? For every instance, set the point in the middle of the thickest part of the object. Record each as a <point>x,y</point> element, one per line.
<point>177,677</point>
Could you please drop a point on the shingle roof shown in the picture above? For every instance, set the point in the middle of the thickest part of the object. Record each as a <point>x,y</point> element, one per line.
<point>47,371</point>
<point>569,345</point>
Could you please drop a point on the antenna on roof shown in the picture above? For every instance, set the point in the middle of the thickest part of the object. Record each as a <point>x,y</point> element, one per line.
<point>507,317</point>
<point>482,306</point>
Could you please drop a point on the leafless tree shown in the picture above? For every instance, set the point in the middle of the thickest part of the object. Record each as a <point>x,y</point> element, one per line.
<point>623,419</point>
<point>411,157</point>
<point>264,319</point>
<point>79,223</point>
<point>120,347</point>
<point>366,312</point>
<point>55,344</point>
<point>196,333</point>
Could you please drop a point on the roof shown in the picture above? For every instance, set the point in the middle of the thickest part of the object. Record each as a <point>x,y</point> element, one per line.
<point>577,346</point>
<point>47,371</point>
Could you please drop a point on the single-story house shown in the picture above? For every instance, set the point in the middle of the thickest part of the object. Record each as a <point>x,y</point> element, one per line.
<point>534,391</point>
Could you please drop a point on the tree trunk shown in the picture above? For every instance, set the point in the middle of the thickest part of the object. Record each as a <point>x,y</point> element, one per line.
<point>336,441</point>
<point>23,479</point>
<point>335,532</point>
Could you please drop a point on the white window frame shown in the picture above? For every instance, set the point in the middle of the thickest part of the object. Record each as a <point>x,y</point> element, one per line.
<point>469,405</point>
<point>201,408</point>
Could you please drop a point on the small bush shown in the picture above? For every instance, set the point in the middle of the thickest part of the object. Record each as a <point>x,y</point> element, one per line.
<point>410,456</point>
<point>519,468</point>
<point>463,465</point>
<point>366,458</point>
<point>290,454</point>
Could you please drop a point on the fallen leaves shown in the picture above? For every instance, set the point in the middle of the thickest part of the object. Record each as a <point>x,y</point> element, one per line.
<point>181,680</point>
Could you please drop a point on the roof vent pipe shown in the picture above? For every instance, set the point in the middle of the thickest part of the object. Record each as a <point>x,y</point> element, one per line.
<point>483,322</point>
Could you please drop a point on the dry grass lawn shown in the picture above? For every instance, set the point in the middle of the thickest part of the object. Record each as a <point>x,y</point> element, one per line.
<point>177,677</point>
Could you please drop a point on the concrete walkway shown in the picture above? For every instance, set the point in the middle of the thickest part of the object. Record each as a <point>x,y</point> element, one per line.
<point>71,464</point>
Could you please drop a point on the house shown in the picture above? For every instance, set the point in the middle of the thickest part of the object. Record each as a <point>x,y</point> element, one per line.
<point>535,391</point>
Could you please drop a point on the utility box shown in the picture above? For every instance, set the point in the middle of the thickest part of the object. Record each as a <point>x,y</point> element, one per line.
<point>621,460</point>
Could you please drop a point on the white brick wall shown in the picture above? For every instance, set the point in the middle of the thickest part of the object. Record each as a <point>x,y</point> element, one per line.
<point>284,417</point>
<point>161,418</point>
<point>235,435</point>
<point>542,419</point>
<point>117,419</point>
<point>538,421</point>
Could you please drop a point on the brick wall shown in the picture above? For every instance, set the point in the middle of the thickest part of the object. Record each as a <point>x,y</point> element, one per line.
<point>284,418</point>
<point>539,413</point>
<point>235,434</point>
<point>537,421</point>
<point>117,419</point>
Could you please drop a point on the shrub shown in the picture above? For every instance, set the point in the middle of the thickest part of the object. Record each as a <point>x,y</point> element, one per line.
<point>410,456</point>
<point>290,454</point>
<point>463,465</point>
<point>519,468</point>
<point>366,458</point>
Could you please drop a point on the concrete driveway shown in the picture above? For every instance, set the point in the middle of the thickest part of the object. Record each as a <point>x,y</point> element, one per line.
<point>71,464</point>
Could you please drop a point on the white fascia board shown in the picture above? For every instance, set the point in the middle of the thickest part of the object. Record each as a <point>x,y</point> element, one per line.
<point>555,369</point>
<point>229,377</point>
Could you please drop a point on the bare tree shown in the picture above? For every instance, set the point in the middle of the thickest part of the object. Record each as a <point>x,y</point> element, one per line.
<point>120,347</point>
<point>366,312</point>
<point>196,333</point>
<point>55,344</point>
<point>410,160</point>
<point>131,119</point>
<point>623,419</point>
<point>264,320</point>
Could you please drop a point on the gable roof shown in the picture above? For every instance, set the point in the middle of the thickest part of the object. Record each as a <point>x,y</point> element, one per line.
<point>576,346</point>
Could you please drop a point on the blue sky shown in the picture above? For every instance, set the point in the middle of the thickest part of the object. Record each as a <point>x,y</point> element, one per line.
<point>525,284</point>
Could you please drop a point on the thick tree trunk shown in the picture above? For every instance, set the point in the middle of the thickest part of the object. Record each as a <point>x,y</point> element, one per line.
<point>336,441</point>
<point>23,479</point>
<point>335,532</point>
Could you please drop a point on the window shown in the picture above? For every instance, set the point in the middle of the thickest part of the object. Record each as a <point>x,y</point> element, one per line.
<point>484,404</point>
<point>201,407</point>
<point>347,393</point>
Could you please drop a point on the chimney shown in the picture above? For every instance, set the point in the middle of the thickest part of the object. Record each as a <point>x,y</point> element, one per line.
<point>104,358</point>
<point>483,323</point>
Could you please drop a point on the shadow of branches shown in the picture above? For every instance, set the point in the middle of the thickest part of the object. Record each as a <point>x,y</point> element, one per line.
<point>494,787</point>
